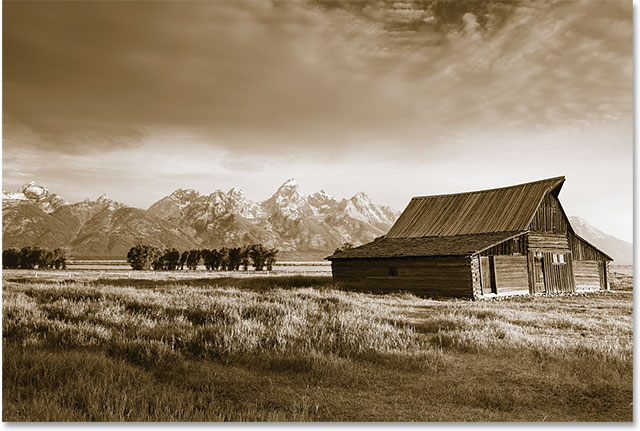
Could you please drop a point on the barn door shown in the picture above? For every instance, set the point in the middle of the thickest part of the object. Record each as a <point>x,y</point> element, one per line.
<point>538,273</point>
<point>602,269</point>
<point>487,275</point>
<point>558,274</point>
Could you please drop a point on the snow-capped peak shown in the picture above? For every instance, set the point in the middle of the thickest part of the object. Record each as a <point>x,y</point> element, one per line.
<point>31,190</point>
<point>291,182</point>
<point>361,197</point>
<point>236,192</point>
<point>13,196</point>
<point>36,194</point>
<point>184,196</point>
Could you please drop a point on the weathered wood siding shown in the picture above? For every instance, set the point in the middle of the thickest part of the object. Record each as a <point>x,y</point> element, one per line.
<point>558,277</point>
<point>581,250</point>
<point>517,245</point>
<point>604,275</point>
<point>536,274</point>
<point>587,275</point>
<point>542,241</point>
<point>549,217</point>
<point>432,276</point>
<point>487,276</point>
<point>511,274</point>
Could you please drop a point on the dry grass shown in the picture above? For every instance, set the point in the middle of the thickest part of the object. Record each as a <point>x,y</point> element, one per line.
<point>299,348</point>
<point>621,281</point>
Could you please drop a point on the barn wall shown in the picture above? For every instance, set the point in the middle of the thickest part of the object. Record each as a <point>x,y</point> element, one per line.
<point>543,241</point>
<point>584,251</point>
<point>587,275</point>
<point>558,277</point>
<point>433,276</point>
<point>549,217</point>
<point>511,274</point>
<point>517,245</point>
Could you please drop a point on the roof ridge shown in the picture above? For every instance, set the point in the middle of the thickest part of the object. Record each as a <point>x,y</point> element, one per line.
<point>560,178</point>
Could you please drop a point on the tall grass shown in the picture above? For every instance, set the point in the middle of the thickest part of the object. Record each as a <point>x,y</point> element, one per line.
<point>160,334</point>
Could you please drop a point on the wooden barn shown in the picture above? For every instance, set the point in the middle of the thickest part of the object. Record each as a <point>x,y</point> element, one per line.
<point>504,241</point>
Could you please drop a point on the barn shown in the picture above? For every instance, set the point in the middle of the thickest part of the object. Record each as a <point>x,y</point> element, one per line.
<point>481,244</point>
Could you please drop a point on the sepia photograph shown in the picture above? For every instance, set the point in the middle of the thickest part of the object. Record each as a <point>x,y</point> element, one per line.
<point>333,211</point>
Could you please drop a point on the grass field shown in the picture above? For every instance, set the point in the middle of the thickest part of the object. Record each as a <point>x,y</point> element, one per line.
<point>302,349</point>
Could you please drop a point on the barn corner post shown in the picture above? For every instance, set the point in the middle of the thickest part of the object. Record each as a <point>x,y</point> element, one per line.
<point>476,284</point>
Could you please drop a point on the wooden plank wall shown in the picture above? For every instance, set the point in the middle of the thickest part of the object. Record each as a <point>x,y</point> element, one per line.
<point>587,275</point>
<point>517,245</point>
<point>487,279</point>
<point>433,276</point>
<point>603,270</point>
<point>548,241</point>
<point>558,277</point>
<point>511,274</point>
<point>583,251</point>
<point>549,217</point>
<point>535,283</point>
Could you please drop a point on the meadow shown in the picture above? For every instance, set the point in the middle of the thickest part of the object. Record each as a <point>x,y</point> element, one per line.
<point>300,348</point>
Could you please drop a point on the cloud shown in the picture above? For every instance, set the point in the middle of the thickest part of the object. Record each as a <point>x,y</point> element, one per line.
<point>257,76</point>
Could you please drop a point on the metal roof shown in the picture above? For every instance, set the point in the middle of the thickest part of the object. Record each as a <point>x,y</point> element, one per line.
<point>457,245</point>
<point>506,209</point>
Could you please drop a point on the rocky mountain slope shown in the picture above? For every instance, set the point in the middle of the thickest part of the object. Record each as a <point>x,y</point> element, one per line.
<point>619,250</point>
<point>100,228</point>
<point>301,226</point>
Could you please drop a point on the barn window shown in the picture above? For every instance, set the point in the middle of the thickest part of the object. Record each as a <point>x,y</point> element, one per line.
<point>393,272</point>
<point>558,258</point>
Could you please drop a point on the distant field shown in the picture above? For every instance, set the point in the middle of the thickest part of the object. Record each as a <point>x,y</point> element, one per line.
<point>626,269</point>
<point>302,349</point>
<point>281,268</point>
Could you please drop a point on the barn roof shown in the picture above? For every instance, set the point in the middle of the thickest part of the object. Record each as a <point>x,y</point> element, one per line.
<point>457,245</point>
<point>506,209</point>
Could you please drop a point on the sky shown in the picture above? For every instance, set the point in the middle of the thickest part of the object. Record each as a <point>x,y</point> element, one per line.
<point>394,98</point>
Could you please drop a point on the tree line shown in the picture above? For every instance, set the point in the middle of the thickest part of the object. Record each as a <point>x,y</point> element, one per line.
<point>32,256</point>
<point>144,256</point>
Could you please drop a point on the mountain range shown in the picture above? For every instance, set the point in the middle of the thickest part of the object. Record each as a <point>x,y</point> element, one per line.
<point>303,227</point>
